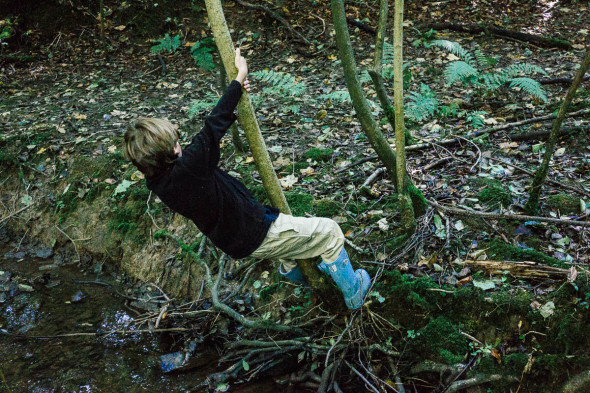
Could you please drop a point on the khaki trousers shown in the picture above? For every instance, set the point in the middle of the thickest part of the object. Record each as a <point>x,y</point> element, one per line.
<point>290,238</point>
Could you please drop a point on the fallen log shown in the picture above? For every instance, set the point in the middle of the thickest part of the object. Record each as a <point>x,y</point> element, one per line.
<point>561,80</point>
<point>530,270</point>
<point>541,135</point>
<point>537,40</point>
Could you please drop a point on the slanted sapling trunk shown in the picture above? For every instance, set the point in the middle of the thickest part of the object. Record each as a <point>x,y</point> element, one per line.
<point>318,281</point>
<point>532,206</point>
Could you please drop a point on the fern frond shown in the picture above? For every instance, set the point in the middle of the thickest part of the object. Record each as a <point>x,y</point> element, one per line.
<point>523,69</point>
<point>477,118</point>
<point>482,60</point>
<point>455,49</point>
<point>459,70</point>
<point>166,44</point>
<point>387,53</point>
<point>365,77</point>
<point>337,95</point>
<point>203,104</point>
<point>279,83</point>
<point>422,105</point>
<point>494,80</point>
<point>530,86</point>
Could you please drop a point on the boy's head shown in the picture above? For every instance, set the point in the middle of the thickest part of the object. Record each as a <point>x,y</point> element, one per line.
<point>151,144</point>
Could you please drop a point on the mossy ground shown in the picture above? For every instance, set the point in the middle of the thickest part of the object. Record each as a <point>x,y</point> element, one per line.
<point>564,203</point>
<point>493,193</point>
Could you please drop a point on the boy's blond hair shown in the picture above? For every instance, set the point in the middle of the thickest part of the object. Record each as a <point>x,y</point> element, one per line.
<point>149,144</point>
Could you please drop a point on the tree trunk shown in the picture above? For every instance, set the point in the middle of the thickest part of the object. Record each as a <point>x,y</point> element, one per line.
<point>318,281</point>
<point>376,138</point>
<point>101,13</point>
<point>381,33</point>
<point>408,221</point>
<point>532,206</point>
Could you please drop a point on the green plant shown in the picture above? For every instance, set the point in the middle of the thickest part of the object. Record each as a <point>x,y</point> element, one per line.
<point>202,53</point>
<point>281,85</point>
<point>6,29</point>
<point>166,44</point>
<point>476,69</point>
<point>422,105</point>
<point>206,102</point>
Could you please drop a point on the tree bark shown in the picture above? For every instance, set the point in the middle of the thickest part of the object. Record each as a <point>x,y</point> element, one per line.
<point>532,205</point>
<point>408,222</point>
<point>381,33</point>
<point>368,123</point>
<point>530,270</point>
<point>318,281</point>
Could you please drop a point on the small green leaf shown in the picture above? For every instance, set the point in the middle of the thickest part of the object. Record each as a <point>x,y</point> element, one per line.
<point>245,365</point>
<point>257,284</point>
<point>484,285</point>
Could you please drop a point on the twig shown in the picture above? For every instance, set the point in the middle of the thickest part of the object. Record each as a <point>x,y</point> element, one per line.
<point>373,177</point>
<point>507,216</point>
<point>361,376</point>
<point>15,213</point>
<point>73,242</point>
<point>559,184</point>
<point>437,163</point>
<point>477,380</point>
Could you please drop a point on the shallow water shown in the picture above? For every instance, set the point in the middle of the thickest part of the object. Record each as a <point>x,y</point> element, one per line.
<point>58,305</point>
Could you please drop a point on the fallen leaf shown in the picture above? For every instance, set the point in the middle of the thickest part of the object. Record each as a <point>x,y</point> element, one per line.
<point>120,28</point>
<point>547,309</point>
<point>383,225</point>
<point>288,181</point>
<point>496,354</point>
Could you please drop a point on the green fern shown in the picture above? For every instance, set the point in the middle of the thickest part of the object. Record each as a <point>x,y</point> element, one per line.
<point>477,118</point>
<point>470,70</point>
<point>205,103</point>
<point>530,86</point>
<point>202,53</point>
<point>166,44</point>
<point>279,83</point>
<point>337,96</point>
<point>422,105</point>
<point>460,71</point>
<point>282,86</point>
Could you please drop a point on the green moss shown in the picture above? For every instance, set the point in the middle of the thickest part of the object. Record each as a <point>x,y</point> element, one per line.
<point>327,208</point>
<point>517,301</point>
<point>493,194</point>
<point>296,167</point>
<point>418,200</point>
<point>499,250</point>
<point>8,160</point>
<point>564,203</point>
<point>319,154</point>
<point>299,203</point>
<point>442,338</point>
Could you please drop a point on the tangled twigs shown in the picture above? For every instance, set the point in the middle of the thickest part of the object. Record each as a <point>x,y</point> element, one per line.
<point>213,288</point>
<point>508,216</point>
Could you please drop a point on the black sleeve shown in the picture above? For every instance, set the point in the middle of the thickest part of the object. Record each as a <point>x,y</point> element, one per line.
<point>202,154</point>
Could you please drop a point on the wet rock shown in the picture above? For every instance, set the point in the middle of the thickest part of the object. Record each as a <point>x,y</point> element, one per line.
<point>25,288</point>
<point>48,267</point>
<point>171,361</point>
<point>16,255</point>
<point>4,277</point>
<point>44,252</point>
<point>78,297</point>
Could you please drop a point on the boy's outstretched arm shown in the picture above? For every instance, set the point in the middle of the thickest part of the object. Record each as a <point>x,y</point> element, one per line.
<point>202,153</point>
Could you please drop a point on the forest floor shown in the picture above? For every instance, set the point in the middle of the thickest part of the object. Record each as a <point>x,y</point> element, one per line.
<point>434,322</point>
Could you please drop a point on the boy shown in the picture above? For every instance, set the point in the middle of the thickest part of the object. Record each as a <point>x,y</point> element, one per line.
<point>190,182</point>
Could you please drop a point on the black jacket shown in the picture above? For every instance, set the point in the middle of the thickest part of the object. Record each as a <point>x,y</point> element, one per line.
<point>221,206</point>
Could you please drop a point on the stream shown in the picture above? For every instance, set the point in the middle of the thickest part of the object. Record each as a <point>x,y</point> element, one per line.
<point>37,299</point>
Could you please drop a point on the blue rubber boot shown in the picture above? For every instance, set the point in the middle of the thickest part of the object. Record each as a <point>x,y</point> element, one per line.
<point>353,284</point>
<point>294,275</point>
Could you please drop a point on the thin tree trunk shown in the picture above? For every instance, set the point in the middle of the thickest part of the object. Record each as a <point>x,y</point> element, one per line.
<point>408,220</point>
<point>318,281</point>
<point>377,70</point>
<point>532,206</point>
<point>381,33</point>
<point>368,123</point>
